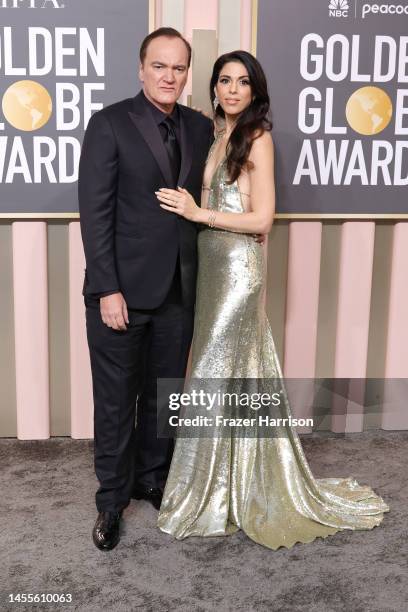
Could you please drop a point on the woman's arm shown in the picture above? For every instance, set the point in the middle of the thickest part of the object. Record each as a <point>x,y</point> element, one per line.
<point>262,189</point>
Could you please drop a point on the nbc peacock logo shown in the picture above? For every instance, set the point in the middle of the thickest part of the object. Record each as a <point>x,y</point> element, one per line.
<point>338,8</point>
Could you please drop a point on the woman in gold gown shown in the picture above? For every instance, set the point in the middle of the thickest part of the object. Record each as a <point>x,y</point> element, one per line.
<point>262,485</point>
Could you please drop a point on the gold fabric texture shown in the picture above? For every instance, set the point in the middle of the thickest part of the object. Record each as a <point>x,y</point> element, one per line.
<point>261,485</point>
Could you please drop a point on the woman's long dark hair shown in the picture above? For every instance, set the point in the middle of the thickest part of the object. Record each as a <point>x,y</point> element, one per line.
<point>253,121</point>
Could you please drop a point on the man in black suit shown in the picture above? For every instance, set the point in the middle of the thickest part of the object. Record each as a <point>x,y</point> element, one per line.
<point>140,276</point>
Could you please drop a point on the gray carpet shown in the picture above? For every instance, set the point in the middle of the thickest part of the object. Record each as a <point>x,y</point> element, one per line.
<point>47,514</point>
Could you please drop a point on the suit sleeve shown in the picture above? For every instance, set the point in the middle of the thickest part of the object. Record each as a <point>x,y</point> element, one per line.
<point>97,184</point>
<point>210,134</point>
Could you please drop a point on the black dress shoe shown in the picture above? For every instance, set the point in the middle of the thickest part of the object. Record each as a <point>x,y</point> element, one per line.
<point>105,533</point>
<point>152,494</point>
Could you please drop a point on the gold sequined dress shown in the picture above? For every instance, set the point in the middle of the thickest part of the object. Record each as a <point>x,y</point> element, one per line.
<point>261,485</point>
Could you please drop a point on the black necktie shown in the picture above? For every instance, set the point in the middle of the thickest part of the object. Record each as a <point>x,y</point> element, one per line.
<point>173,148</point>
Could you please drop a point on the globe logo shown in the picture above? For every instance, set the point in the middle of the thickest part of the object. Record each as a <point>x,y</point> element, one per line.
<point>369,110</point>
<point>27,105</point>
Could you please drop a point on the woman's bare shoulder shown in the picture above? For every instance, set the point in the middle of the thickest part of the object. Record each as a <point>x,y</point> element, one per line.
<point>262,145</point>
<point>263,139</point>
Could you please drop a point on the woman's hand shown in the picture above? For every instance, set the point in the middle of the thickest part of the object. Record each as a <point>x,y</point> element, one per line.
<point>179,201</point>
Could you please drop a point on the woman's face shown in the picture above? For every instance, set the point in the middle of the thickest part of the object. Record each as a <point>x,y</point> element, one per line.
<point>233,88</point>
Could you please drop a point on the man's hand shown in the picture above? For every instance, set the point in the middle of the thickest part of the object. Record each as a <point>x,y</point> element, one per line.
<point>114,311</point>
<point>203,112</point>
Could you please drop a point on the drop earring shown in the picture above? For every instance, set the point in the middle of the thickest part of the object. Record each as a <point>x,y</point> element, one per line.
<point>216,102</point>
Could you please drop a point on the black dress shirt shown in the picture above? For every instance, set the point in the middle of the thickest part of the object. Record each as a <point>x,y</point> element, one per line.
<point>159,116</point>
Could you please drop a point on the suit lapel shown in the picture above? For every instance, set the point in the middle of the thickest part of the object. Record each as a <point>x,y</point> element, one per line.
<point>186,148</point>
<point>144,122</point>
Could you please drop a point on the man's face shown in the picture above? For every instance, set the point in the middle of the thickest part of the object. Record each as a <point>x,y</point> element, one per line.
<point>164,71</point>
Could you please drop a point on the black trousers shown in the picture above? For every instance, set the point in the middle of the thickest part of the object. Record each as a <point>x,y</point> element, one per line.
<point>125,367</point>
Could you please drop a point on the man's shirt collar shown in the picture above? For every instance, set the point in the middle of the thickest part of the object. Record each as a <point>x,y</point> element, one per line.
<point>158,115</point>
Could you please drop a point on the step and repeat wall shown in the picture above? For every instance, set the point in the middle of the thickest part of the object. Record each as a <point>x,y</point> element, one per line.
<point>338,77</point>
<point>60,62</point>
<point>338,251</point>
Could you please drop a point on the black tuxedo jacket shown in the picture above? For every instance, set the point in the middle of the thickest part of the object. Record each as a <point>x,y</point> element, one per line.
<point>131,244</point>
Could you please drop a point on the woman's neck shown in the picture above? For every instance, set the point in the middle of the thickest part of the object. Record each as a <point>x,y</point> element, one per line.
<point>230,121</point>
